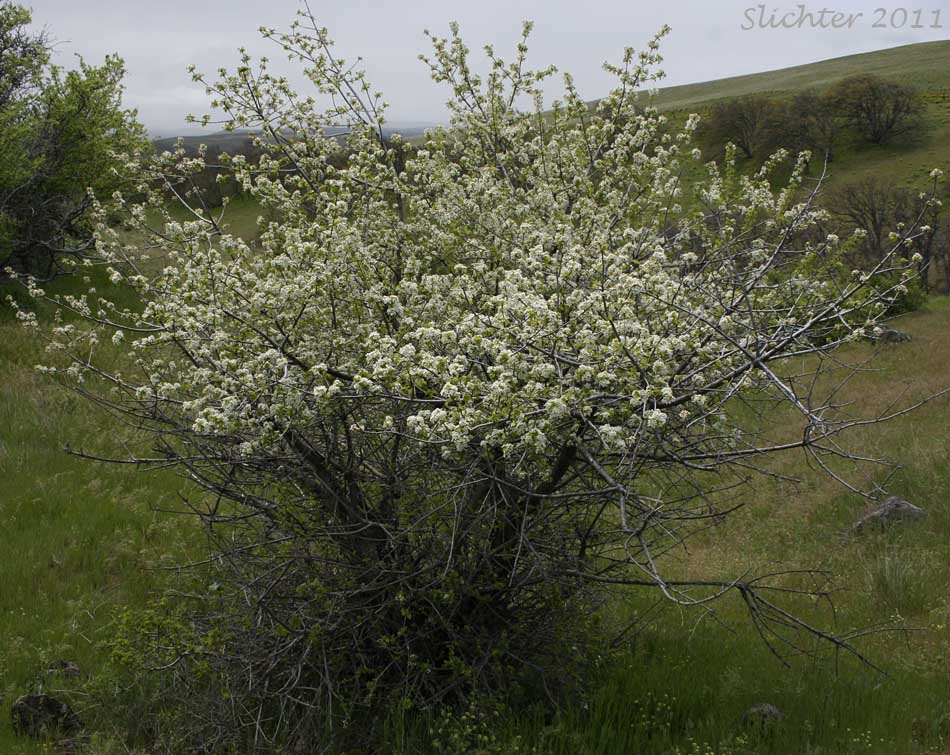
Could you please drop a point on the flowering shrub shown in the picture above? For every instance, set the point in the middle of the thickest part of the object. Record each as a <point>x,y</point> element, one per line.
<point>455,389</point>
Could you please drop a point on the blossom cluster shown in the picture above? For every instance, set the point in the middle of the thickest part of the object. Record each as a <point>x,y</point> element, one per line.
<point>524,278</point>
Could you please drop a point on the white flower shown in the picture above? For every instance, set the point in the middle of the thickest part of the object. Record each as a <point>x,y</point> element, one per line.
<point>655,418</point>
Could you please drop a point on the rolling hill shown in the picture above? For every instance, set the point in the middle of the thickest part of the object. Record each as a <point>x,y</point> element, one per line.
<point>925,65</point>
<point>905,162</point>
<point>239,140</point>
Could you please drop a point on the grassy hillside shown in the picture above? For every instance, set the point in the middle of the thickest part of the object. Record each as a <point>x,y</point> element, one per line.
<point>906,161</point>
<point>79,538</point>
<point>238,141</point>
<point>925,65</point>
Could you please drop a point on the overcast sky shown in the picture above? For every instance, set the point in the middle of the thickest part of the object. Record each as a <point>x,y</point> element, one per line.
<point>159,38</point>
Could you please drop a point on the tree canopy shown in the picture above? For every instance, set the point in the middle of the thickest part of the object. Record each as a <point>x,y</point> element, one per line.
<point>59,131</point>
<point>879,109</point>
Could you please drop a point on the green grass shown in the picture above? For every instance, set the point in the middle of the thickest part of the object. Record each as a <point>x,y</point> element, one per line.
<point>906,161</point>
<point>79,538</point>
<point>925,65</point>
<point>685,692</point>
<point>240,216</point>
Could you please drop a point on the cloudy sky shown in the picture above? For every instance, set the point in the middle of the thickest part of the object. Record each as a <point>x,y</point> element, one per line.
<point>159,38</point>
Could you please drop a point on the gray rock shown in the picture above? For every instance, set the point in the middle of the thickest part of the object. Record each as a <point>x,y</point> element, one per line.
<point>889,335</point>
<point>66,668</point>
<point>42,715</point>
<point>763,717</point>
<point>893,509</point>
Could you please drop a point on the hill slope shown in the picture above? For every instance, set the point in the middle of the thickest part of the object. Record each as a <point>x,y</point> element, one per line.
<point>241,140</point>
<point>925,65</point>
<point>907,162</point>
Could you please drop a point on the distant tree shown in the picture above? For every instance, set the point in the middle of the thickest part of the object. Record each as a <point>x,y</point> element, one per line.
<point>879,109</point>
<point>748,122</point>
<point>913,209</point>
<point>215,182</point>
<point>869,206</point>
<point>941,255</point>
<point>879,208</point>
<point>813,123</point>
<point>60,136</point>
